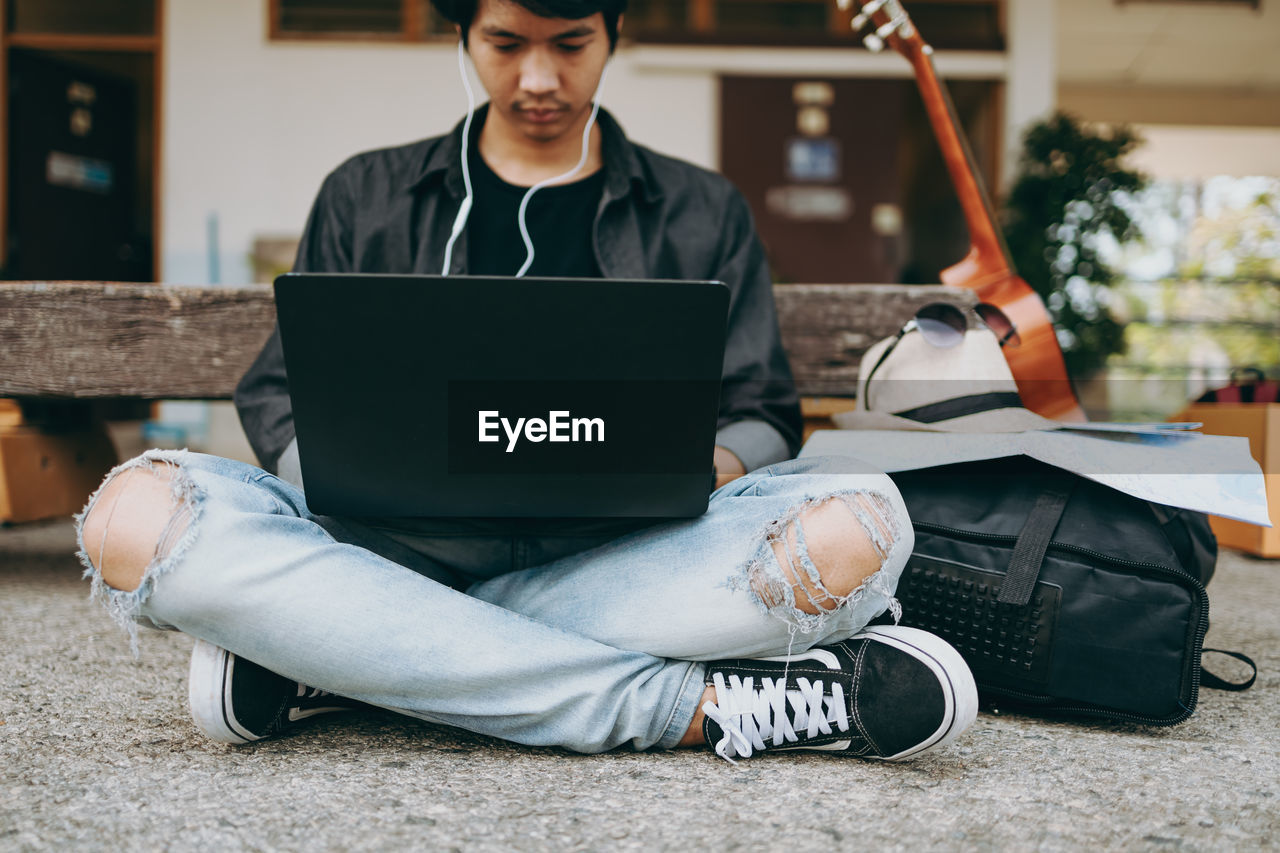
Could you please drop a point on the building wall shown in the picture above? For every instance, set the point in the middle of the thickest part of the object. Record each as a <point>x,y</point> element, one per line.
<point>1180,152</point>
<point>251,126</point>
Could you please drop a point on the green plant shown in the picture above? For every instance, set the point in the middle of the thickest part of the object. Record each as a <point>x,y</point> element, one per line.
<point>1069,192</point>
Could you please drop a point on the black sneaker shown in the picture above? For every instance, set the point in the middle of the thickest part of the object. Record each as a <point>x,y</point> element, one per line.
<point>889,693</point>
<point>233,700</point>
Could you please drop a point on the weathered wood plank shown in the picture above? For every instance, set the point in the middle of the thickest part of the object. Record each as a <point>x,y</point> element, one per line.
<point>827,327</point>
<point>102,340</point>
<point>89,340</point>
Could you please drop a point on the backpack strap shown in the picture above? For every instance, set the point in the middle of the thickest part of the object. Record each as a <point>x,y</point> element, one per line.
<point>1033,541</point>
<point>1208,679</point>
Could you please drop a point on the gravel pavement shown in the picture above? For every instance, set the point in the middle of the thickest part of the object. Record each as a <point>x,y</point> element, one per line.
<point>97,751</point>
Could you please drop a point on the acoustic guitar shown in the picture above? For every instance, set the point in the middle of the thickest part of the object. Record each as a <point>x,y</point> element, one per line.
<point>1036,364</point>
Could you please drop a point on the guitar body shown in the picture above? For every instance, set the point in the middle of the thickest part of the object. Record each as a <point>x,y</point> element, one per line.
<point>1037,364</point>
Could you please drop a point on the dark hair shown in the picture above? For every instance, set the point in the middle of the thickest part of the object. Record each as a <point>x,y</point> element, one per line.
<point>461,12</point>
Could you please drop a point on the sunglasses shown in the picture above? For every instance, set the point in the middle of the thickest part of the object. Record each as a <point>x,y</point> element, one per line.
<point>943,325</point>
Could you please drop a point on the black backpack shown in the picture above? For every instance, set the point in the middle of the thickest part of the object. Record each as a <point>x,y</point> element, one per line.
<point>1064,596</point>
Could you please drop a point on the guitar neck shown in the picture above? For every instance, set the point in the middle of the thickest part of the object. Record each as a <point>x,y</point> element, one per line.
<point>988,257</point>
<point>1037,364</point>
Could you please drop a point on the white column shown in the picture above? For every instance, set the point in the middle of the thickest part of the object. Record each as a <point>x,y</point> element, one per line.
<point>1031,85</point>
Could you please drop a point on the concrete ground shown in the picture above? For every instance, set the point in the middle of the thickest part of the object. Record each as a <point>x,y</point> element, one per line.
<point>97,752</point>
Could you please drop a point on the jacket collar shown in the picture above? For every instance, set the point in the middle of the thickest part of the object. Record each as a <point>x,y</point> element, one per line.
<point>623,171</point>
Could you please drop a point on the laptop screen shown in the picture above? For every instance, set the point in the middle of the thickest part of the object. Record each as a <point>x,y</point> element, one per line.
<point>498,397</point>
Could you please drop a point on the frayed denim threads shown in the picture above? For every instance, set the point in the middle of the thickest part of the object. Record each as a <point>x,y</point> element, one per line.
<point>125,606</point>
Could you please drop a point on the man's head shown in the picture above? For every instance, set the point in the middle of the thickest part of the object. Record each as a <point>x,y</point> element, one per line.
<point>462,12</point>
<point>541,72</point>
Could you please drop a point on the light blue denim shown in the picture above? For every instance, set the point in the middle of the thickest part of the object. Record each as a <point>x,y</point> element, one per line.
<point>586,635</point>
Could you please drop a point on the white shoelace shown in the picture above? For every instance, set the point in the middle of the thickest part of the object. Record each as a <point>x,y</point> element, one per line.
<point>749,715</point>
<point>307,695</point>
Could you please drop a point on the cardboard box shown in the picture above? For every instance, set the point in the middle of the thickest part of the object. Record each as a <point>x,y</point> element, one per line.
<point>47,471</point>
<point>1260,423</point>
<point>10,412</point>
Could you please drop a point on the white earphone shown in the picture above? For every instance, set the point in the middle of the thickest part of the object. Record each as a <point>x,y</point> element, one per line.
<point>464,211</point>
<point>460,221</point>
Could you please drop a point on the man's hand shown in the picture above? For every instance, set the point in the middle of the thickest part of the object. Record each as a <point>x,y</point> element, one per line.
<point>728,466</point>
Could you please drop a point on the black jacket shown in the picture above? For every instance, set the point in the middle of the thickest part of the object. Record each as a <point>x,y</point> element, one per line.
<point>391,211</point>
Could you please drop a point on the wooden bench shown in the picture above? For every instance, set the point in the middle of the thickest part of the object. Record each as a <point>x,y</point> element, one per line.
<point>71,353</point>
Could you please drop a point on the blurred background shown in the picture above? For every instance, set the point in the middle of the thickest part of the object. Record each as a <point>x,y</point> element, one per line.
<point>1132,146</point>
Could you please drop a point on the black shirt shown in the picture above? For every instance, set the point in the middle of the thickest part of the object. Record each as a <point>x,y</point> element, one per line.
<point>559,219</point>
<point>392,210</point>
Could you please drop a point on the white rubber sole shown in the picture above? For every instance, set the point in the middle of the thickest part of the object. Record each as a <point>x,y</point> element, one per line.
<point>958,686</point>
<point>209,694</point>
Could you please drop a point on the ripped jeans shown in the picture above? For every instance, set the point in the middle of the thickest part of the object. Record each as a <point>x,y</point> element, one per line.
<point>581,635</point>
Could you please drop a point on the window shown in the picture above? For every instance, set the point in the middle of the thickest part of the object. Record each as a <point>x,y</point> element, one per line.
<point>1252,4</point>
<point>946,24</point>
<point>82,17</point>
<point>357,20</point>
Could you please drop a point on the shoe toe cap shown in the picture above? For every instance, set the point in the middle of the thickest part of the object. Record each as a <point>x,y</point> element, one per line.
<point>914,693</point>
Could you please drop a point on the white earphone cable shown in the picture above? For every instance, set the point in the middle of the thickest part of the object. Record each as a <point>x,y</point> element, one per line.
<point>524,202</point>
<point>464,212</point>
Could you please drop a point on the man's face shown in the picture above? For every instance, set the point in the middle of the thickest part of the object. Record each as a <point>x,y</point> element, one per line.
<point>540,73</point>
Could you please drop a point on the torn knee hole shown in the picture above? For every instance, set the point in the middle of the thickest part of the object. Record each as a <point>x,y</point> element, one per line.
<point>822,558</point>
<point>135,520</point>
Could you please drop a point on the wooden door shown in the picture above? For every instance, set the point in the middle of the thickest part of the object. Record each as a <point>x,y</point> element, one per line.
<point>72,173</point>
<point>818,162</point>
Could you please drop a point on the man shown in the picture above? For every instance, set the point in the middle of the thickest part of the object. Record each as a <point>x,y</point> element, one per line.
<point>583,635</point>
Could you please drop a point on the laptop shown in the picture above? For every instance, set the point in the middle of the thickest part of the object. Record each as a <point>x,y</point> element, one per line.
<point>464,396</point>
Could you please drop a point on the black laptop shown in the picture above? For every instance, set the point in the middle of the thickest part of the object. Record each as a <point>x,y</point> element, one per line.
<point>483,397</point>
